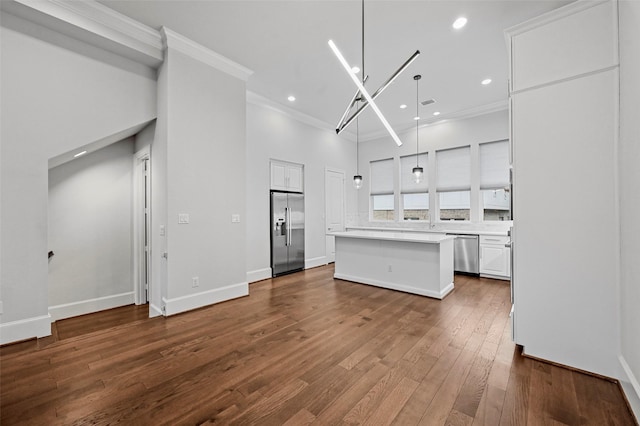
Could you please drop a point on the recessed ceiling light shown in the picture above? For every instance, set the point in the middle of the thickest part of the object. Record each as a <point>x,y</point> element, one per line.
<point>291,98</point>
<point>80,154</point>
<point>355,70</point>
<point>436,113</point>
<point>403,106</point>
<point>460,22</point>
<point>416,118</point>
<point>486,81</point>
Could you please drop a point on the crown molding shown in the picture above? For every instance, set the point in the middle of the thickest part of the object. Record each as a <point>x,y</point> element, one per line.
<point>254,98</point>
<point>443,118</point>
<point>553,15</point>
<point>173,40</point>
<point>93,23</point>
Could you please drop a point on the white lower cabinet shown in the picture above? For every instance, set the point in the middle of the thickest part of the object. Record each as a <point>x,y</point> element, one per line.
<point>495,258</point>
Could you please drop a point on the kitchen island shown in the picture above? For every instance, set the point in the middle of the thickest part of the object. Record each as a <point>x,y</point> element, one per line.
<point>410,262</point>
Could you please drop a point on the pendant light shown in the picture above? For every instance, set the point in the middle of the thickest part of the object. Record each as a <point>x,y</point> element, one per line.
<point>417,171</point>
<point>357,179</point>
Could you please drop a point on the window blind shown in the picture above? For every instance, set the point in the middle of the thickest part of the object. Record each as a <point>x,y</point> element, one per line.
<point>494,165</point>
<point>382,177</point>
<point>453,169</point>
<point>407,184</point>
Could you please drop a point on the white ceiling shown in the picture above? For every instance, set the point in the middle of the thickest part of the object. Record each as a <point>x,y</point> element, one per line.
<point>285,44</point>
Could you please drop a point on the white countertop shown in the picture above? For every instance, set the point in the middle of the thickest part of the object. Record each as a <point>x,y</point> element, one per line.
<point>414,237</point>
<point>428,231</point>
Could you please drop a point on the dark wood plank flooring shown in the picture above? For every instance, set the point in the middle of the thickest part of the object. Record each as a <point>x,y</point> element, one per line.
<point>301,349</point>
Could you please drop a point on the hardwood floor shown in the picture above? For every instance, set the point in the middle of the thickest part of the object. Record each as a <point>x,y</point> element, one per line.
<point>301,349</point>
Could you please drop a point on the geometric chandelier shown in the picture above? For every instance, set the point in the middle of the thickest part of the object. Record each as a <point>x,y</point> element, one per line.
<point>370,99</point>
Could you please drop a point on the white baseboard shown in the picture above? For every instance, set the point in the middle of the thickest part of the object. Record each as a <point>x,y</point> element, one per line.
<point>631,387</point>
<point>314,262</point>
<point>205,298</point>
<point>28,328</point>
<point>154,311</point>
<point>392,286</point>
<point>83,307</point>
<point>258,275</point>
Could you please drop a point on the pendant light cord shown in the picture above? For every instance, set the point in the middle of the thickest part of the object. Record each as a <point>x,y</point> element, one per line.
<point>417,140</point>
<point>363,74</point>
<point>357,120</point>
<point>357,144</point>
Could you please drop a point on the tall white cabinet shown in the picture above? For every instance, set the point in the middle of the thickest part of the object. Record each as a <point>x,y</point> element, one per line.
<point>564,115</point>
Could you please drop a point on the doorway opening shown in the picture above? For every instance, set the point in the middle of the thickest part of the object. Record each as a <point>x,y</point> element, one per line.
<point>142,222</point>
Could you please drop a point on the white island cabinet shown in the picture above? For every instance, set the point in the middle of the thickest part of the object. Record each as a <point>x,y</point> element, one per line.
<point>410,262</point>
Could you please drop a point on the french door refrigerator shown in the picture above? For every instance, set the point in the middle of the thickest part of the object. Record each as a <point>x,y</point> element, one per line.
<point>287,232</point>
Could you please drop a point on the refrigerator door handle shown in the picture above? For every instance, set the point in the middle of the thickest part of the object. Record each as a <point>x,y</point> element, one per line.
<point>286,226</point>
<point>289,227</point>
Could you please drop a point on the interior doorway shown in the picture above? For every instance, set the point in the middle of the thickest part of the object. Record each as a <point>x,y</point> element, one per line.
<point>334,209</point>
<point>142,222</point>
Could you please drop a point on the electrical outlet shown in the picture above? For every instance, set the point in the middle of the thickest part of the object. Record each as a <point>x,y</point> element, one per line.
<point>183,218</point>
<point>195,281</point>
<point>235,218</point>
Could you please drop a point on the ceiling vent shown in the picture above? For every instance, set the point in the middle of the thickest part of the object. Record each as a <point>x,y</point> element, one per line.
<point>428,102</point>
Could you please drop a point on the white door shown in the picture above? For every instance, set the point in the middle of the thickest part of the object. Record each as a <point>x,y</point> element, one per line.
<point>334,209</point>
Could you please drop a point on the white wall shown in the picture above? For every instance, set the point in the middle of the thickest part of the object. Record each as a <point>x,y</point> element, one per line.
<point>629,182</point>
<point>55,98</point>
<point>202,122</point>
<point>90,232</point>
<point>272,134</point>
<point>450,134</point>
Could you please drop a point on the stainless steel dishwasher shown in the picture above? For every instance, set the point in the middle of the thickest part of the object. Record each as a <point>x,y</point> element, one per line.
<point>465,254</point>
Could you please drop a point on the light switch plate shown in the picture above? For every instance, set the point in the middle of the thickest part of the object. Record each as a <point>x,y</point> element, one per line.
<point>183,217</point>
<point>235,218</point>
<point>162,230</point>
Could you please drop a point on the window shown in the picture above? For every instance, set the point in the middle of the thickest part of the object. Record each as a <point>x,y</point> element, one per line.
<point>455,205</point>
<point>382,199</point>
<point>453,183</point>
<point>494,180</point>
<point>414,196</point>
<point>496,204</point>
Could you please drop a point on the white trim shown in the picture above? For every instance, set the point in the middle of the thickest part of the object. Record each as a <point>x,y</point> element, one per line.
<point>24,329</point>
<point>634,400</point>
<point>258,275</point>
<point>176,41</point>
<point>553,15</point>
<point>83,307</point>
<point>255,99</point>
<point>314,262</point>
<point>96,24</point>
<point>205,298</point>
<point>565,79</point>
<point>154,311</point>
<point>405,288</point>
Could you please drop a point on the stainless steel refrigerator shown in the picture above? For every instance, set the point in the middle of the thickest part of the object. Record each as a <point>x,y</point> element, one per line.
<point>287,232</point>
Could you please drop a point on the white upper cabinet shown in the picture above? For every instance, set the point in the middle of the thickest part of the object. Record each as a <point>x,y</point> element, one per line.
<point>287,176</point>
<point>544,51</point>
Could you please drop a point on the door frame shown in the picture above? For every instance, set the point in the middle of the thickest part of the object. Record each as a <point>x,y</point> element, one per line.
<point>141,265</point>
<point>344,206</point>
